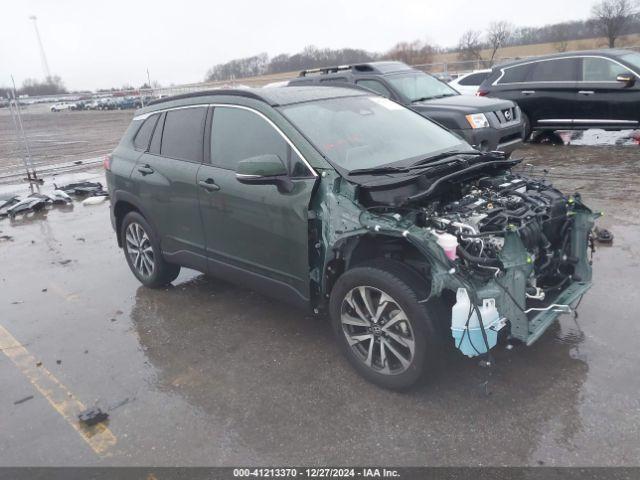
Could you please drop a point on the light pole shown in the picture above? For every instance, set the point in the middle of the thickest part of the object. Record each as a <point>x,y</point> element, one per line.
<point>43,57</point>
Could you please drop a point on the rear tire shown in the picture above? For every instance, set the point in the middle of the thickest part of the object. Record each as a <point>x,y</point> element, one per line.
<point>142,250</point>
<point>383,330</point>
<point>527,127</point>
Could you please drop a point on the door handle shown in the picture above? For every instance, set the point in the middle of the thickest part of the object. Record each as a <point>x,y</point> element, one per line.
<point>209,185</point>
<point>528,92</point>
<point>586,92</point>
<point>146,170</point>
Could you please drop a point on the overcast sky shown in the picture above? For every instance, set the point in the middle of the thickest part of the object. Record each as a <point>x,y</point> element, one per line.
<point>94,44</point>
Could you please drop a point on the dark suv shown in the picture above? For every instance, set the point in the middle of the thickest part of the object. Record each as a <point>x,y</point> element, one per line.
<point>576,90</point>
<point>486,124</point>
<point>340,200</point>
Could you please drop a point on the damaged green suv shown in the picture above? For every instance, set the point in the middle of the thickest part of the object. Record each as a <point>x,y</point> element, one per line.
<point>343,201</point>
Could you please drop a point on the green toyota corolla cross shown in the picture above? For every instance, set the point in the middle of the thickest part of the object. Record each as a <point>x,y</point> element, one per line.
<point>339,200</point>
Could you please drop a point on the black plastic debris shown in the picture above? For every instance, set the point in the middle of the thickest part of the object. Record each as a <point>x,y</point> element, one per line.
<point>6,202</point>
<point>27,205</point>
<point>22,400</point>
<point>603,235</point>
<point>92,416</point>
<point>84,189</point>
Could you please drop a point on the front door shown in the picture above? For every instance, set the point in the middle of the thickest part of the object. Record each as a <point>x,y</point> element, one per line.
<point>256,235</point>
<point>602,100</point>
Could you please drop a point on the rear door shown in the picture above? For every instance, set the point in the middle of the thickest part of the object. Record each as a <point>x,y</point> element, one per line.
<point>551,88</point>
<point>166,178</point>
<point>604,101</point>
<point>255,234</point>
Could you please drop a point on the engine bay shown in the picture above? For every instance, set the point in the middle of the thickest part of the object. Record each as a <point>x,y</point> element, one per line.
<point>471,217</point>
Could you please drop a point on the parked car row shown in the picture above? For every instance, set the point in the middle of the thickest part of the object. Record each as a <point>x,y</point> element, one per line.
<point>109,103</point>
<point>487,124</point>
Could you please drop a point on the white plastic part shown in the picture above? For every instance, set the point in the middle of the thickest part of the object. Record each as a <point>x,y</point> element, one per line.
<point>94,200</point>
<point>449,243</point>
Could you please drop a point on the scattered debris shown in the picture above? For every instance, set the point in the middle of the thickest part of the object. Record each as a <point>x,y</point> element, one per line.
<point>603,235</point>
<point>22,400</point>
<point>81,239</point>
<point>6,238</point>
<point>64,262</point>
<point>26,205</point>
<point>92,416</point>
<point>119,404</point>
<point>94,200</point>
<point>84,189</point>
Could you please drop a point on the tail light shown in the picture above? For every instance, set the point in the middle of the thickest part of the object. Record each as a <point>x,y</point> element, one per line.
<point>106,162</point>
<point>482,93</point>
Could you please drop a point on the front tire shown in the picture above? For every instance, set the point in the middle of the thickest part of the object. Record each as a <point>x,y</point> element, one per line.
<point>142,251</point>
<point>383,330</point>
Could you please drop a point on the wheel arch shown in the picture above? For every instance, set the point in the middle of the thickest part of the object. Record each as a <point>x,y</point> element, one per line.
<point>124,203</point>
<point>366,248</point>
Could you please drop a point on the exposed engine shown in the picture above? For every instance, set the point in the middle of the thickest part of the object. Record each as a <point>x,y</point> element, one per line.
<point>489,206</point>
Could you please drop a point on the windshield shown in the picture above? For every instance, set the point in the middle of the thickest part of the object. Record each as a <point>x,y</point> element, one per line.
<point>420,86</point>
<point>368,131</point>
<point>632,59</point>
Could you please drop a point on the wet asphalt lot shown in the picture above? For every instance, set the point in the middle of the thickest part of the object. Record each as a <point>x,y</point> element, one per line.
<point>206,373</point>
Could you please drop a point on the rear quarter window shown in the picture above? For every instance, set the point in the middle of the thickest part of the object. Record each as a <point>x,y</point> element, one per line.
<point>516,74</point>
<point>143,137</point>
<point>474,79</point>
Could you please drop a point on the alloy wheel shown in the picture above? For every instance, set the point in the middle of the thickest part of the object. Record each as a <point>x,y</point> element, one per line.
<point>377,330</point>
<point>139,249</point>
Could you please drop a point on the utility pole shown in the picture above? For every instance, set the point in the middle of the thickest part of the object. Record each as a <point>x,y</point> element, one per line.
<point>43,57</point>
<point>16,116</point>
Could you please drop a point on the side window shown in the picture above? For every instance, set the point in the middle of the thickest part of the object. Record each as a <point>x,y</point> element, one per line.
<point>143,137</point>
<point>474,79</point>
<point>515,74</point>
<point>562,70</point>
<point>183,134</point>
<point>600,70</point>
<point>238,134</point>
<point>375,86</point>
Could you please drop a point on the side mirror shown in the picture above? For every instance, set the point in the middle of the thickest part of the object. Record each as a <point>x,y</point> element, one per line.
<point>627,78</point>
<point>264,170</point>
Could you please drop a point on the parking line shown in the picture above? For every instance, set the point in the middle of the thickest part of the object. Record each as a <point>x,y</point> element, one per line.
<point>99,437</point>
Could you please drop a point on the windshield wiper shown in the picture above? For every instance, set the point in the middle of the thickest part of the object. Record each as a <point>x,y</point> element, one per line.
<point>378,170</point>
<point>429,161</point>
<point>425,163</point>
<point>422,99</point>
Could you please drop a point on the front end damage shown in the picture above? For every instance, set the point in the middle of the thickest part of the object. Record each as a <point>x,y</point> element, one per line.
<point>521,253</point>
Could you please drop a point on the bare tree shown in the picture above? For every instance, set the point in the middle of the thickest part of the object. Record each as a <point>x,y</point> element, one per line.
<point>411,53</point>
<point>470,46</point>
<point>498,34</point>
<point>612,17</point>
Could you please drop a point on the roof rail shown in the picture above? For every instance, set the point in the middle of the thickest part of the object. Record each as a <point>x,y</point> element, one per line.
<point>217,91</point>
<point>325,70</point>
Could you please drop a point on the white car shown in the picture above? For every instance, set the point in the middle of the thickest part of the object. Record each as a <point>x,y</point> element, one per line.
<point>468,83</point>
<point>58,107</point>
